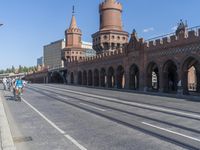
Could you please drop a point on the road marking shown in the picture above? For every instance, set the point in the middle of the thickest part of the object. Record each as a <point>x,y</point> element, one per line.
<point>44,117</point>
<point>133,103</point>
<point>93,107</point>
<point>167,130</point>
<point>75,142</point>
<point>55,126</point>
<point>62,97</point>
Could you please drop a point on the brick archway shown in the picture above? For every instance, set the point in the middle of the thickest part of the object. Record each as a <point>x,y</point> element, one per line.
<point>72,78</point>
<point>153,77</point>
<point>189,63</point>
<point>85,77</point>
<point>96,77</point>
<point>170,77</point>
<point>80,79</point>
<point>90,78</point>
<point>56,77</point>
<point>111,77</point>
<point>120,77</point>
<point>103,77</point>
<point>134,77</point>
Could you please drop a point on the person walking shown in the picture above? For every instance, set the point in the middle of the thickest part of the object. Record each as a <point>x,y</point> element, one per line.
<point>5,83</point>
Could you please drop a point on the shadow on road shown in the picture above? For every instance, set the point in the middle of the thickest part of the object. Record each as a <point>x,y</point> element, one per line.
<point>9,98</point>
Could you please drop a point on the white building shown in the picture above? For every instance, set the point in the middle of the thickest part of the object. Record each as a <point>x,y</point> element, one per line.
<point>52,54</point>
<point>40,61</point>
<point>88,49</point>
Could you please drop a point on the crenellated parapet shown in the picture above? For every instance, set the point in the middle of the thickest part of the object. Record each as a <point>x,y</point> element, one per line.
<point>170,40</point>
<point>74,30</point>
<point>110,4</point>
<point>100,57</point>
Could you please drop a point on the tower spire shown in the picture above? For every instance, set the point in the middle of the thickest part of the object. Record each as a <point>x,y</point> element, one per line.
<point>73,21</point>
<point>73,10</point>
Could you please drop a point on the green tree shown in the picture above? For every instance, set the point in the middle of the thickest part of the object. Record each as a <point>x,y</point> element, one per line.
<point>13,69</point>
<point>20,69</point>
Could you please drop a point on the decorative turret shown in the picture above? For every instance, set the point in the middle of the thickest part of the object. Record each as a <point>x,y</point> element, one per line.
<point>134,43</point>
<point>182,28</point>
<point>111,36</point>
<point>73,34</point>
<point>73,50</point>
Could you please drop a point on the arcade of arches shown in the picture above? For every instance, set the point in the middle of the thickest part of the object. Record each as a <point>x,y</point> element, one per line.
<point>167,77</point>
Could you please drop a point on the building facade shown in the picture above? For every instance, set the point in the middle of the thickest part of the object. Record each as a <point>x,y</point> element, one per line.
<point>89,52</point>
<point>168,64</point>
<point>40,61</point>
<point>52,54</point>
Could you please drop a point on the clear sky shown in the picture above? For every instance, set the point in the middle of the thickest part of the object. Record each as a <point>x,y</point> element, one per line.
<point>31,24</point>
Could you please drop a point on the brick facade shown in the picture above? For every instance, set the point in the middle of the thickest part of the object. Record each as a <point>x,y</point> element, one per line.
<point>160,65</point>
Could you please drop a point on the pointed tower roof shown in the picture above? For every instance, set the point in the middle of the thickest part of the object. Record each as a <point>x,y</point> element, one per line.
<point>73,24</point>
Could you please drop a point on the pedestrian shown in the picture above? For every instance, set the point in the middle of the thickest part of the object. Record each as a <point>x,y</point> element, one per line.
<point>5,83</point>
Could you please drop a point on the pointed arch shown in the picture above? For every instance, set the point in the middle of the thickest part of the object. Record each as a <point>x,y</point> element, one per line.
<point>170,76</point>
<point>134,77</point>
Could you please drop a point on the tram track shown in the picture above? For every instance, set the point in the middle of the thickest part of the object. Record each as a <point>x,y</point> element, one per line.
<point>122,120</point>
<point>172,111</point>
<point>132,100</point>
<point>121,110</point>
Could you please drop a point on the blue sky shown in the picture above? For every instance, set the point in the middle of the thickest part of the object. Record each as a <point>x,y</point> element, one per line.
<point>31,24</point>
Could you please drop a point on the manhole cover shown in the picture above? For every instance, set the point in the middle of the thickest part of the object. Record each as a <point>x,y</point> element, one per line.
<point>22,139</point>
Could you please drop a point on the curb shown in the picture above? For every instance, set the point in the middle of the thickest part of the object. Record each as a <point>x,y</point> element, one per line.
<point>5,133</point>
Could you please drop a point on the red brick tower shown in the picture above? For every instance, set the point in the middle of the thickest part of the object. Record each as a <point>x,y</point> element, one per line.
<point>73,34</point>
<point>73,43</point>
<point>111,35</point>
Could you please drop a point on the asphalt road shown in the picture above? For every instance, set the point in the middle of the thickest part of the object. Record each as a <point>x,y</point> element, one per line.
<point>62,117</point>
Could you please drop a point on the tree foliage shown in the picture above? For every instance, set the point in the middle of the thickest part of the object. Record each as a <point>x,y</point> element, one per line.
<point>20,69</point>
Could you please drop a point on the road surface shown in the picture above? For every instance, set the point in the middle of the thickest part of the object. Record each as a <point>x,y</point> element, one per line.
<point>63,117</point>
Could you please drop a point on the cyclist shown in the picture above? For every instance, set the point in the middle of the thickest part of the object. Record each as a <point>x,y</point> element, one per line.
<point>18,85</point>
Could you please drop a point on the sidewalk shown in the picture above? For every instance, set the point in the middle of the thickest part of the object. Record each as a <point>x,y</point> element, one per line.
<point>6,140</point>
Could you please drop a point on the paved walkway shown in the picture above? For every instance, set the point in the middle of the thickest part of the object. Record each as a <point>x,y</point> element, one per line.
<point>6,140</point>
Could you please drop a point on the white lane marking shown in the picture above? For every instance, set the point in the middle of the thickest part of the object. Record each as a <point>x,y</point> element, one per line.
<point>62,97</point>
<point>167,130</point>
<point>55,126</point>
<point>92,106</point>
<point>75,142</point>
<point>132,103</point>
<point>44,117</point>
